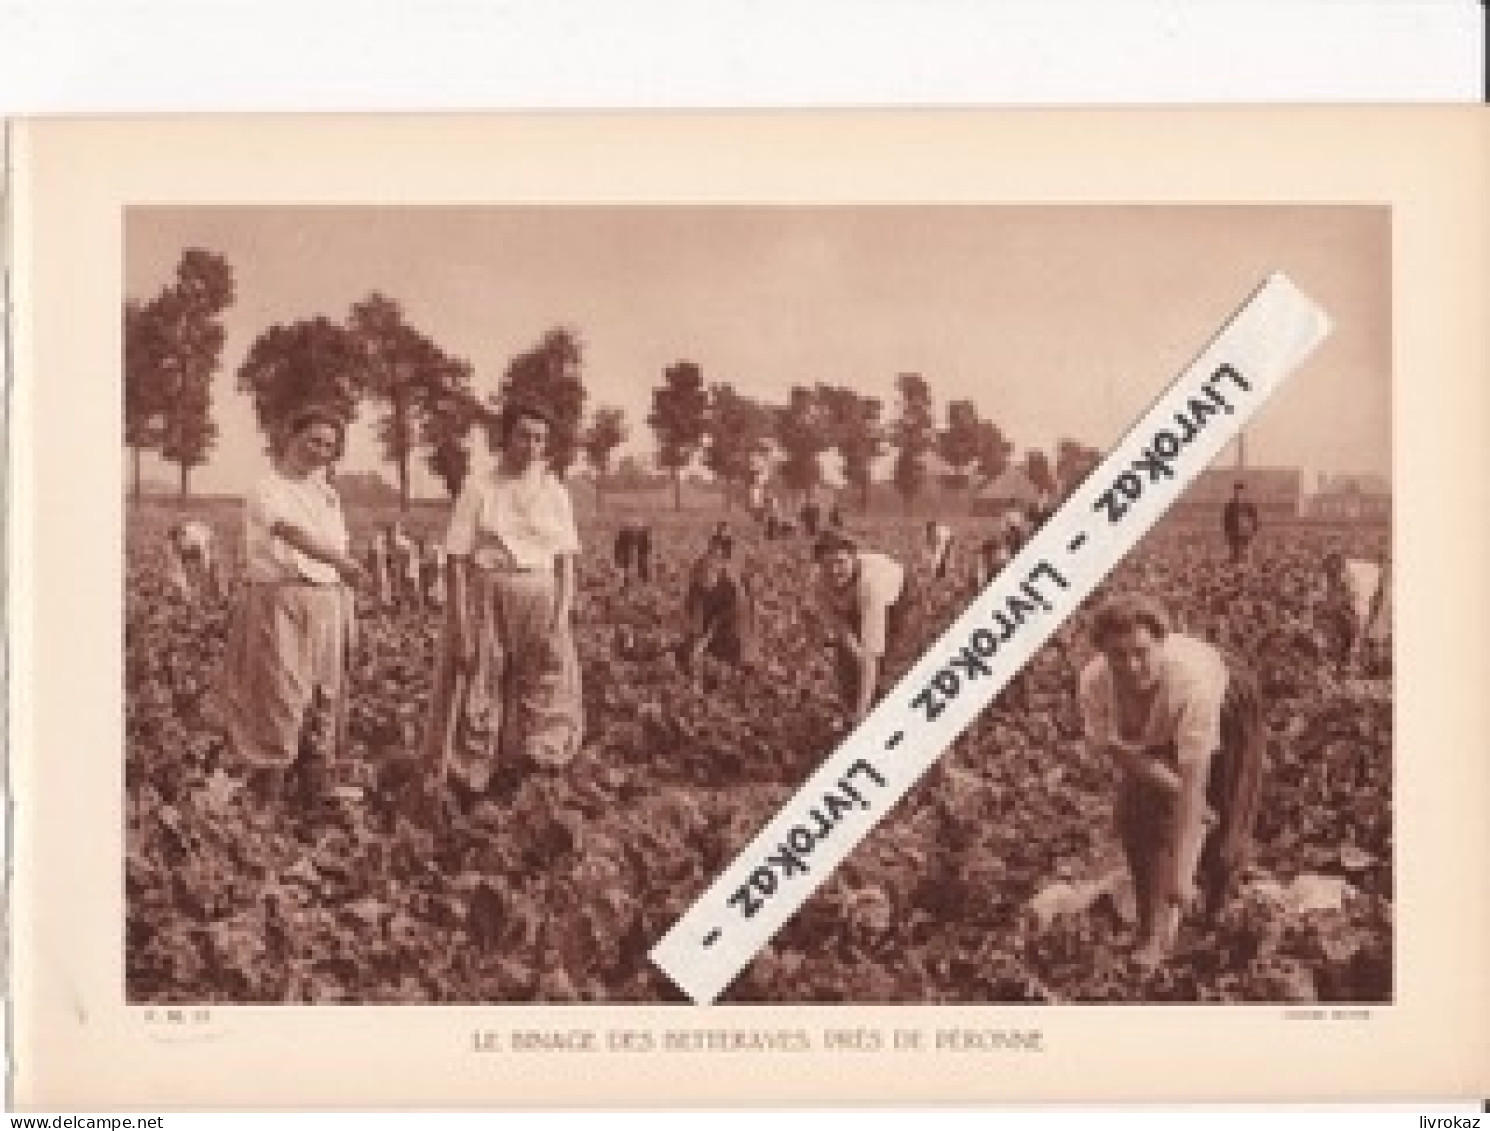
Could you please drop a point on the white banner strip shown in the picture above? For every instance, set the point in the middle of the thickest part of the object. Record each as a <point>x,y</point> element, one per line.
<point>900,739</point>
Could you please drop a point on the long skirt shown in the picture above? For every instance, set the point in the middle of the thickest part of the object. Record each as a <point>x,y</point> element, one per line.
<point>1146,815</point>
<point>520,700</point>
<point>282,688</point>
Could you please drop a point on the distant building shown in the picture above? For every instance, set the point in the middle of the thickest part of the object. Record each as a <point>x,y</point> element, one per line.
<point>1355,498</point>
<point>1011,490</point>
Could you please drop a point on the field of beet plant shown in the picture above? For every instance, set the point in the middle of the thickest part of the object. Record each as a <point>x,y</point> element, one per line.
<point>995,880</point>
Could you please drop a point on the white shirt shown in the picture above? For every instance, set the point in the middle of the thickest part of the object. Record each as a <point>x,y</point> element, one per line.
<point>1186,709</point>
<point>503,521</point>
<point>878,586</point>
<point>310,504</point>
<point>194,535</point>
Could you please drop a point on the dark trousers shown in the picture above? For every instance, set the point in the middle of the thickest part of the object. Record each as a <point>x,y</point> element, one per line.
<point>1146,815</point>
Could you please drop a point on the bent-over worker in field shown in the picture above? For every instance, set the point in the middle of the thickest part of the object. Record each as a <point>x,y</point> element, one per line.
<point>190,560</point>
<point>719,610</point>
<point>1358,594</point>
<point>994,553</point>
<point>1183,721</point>
<point>284,680</point>
<point>867,599</point>
<point>507,681</point>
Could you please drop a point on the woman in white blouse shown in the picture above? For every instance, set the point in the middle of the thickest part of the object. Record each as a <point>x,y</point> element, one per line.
<point>1183,722</point>
<point>284,680</point>
<point>507,689</point>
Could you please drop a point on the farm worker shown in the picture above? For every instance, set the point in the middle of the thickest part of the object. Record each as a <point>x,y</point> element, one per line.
<point>380,565</point>
<point>719,610</point>
<point>722,540</point>
<point>994,553</point>
<point>939,541</point>
<point>284,681</point>
<point>1239,522</point>
<point>835,518</point>
<point>507,682</point>
<point>633,550</point>
<point>757,501</point>
<point>811,514</point>
<point>1183,722</point>
<point>1360,591</point>
<point>188,550</point>
<point>1015,527</point>
<point>867,598</point>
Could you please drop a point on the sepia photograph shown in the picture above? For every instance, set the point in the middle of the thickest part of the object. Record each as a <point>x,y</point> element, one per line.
<point>493,573</point>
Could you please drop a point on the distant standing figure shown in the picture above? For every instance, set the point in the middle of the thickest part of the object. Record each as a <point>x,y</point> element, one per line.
<point>719,611</point>
<point>811,516</point>
<point>1239,522</point>
<point>867,599</point>
<point>285,673</point>
<point>190,560</point>
<point>633,550</point>
<point>773,518</point>
<point>756,502</point>
<point>835,518</point>
<point>939,540</point>
<point>507,682</point>
<point>722,540</point>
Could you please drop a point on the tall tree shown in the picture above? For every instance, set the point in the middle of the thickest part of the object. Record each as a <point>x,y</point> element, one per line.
<point>738,429</point>
<point>1074,461</point>
<point>914,436</point>
<point>679,419</point>
<point>957,444</point>
<point>448,413</point>
<point>551,376</point>
<point>311,361</point>
<point>606,433</point>
<point>144,378</point>
<point>993,449</point>
<point>1037,467</point>
<point>171,350</point>
<point>853,421</point>
<point>402,369</point>
<point>801,430</point>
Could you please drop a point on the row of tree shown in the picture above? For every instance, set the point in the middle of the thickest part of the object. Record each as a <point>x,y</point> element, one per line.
<point>427,402</point>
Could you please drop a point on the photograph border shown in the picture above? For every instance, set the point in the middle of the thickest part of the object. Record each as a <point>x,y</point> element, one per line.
<point>74,177</point>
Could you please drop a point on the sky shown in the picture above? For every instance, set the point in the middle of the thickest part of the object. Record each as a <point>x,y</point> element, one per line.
<point>1058,321</point>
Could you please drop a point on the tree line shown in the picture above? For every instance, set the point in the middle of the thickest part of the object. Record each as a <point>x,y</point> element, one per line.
<point>427,404</point>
